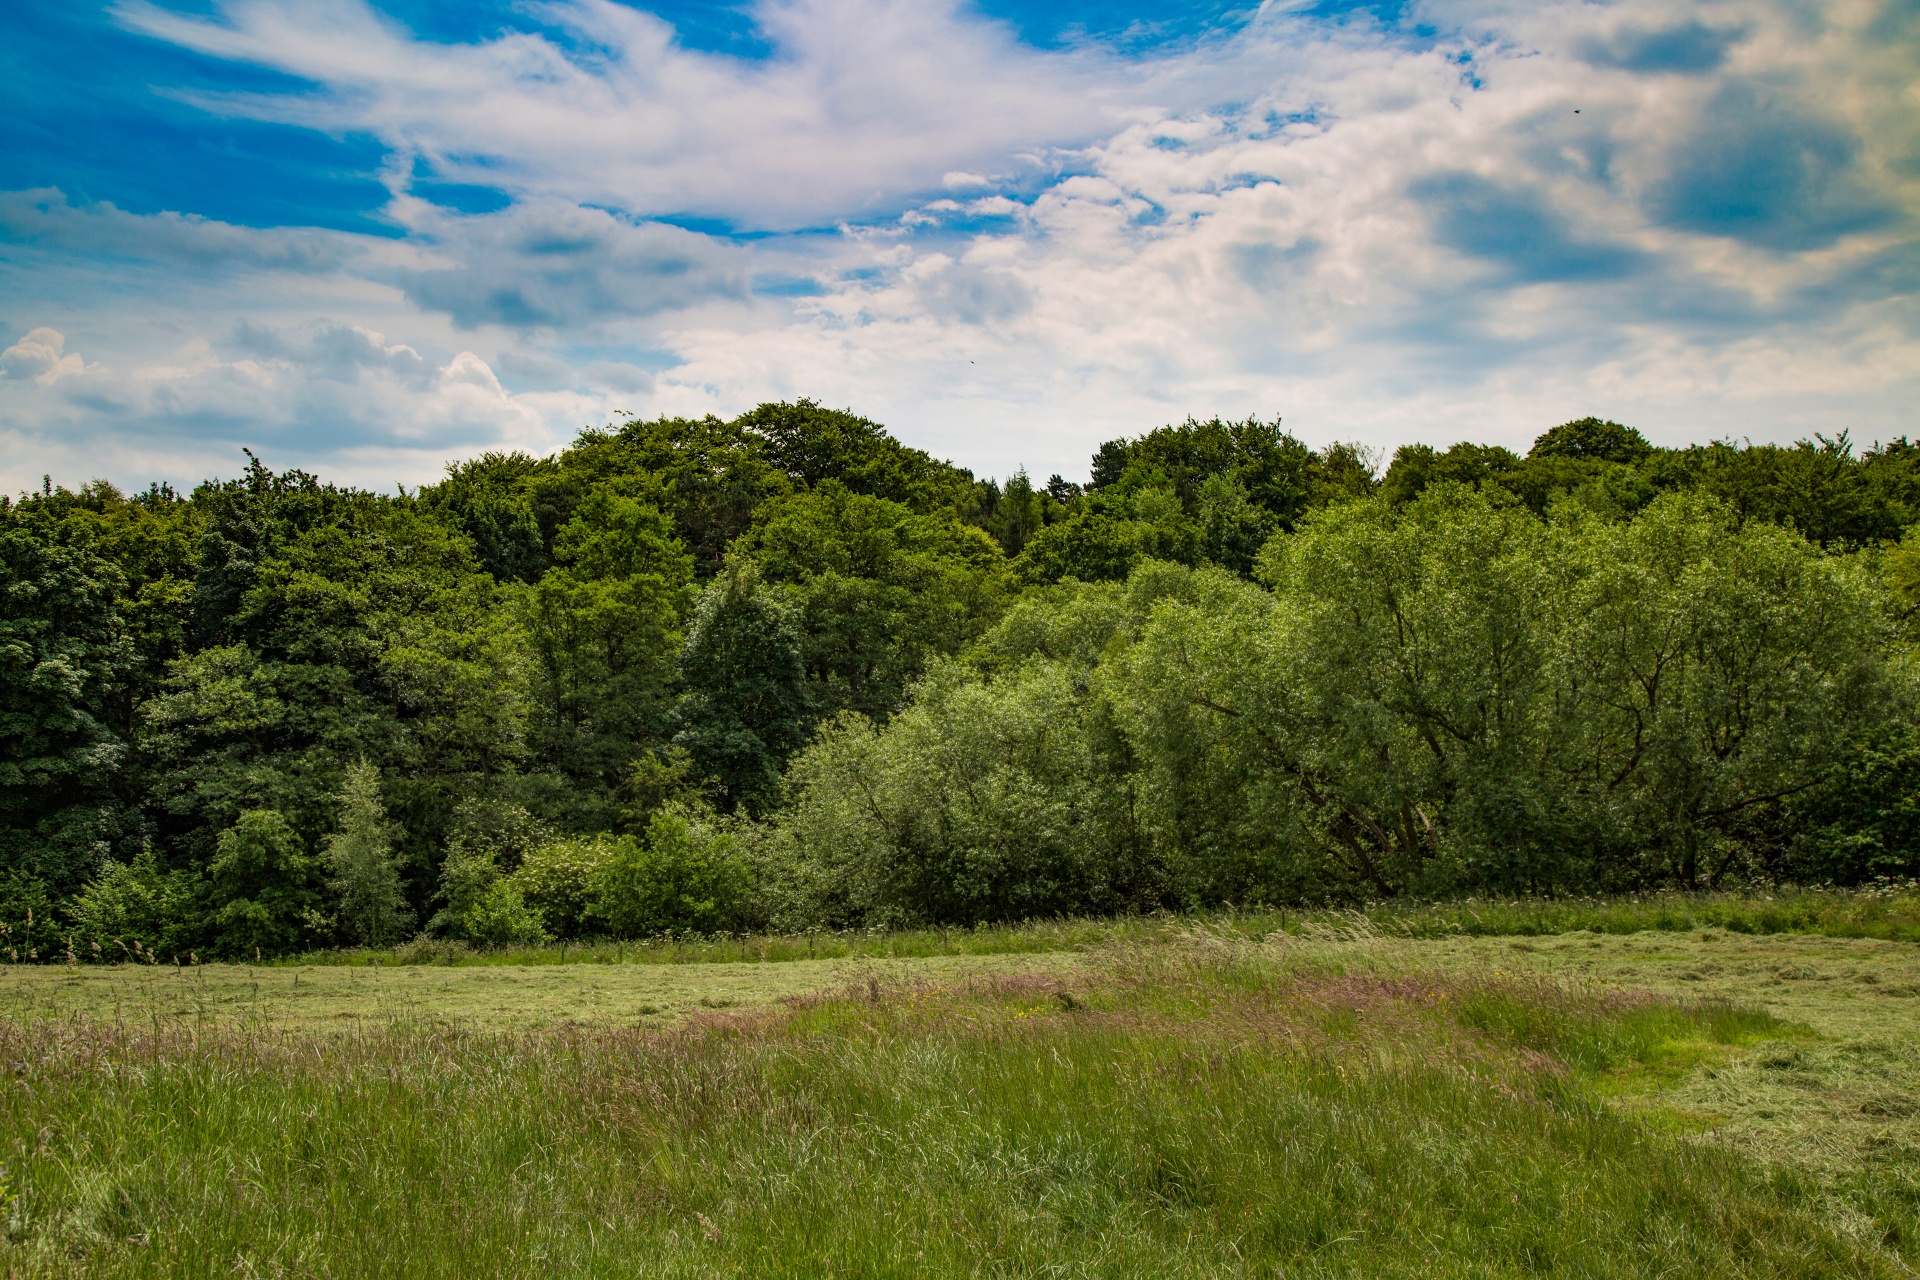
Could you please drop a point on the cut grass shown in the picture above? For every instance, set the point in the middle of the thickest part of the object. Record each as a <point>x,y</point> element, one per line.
<point>1889,914</point>
<point>1211,1109</point>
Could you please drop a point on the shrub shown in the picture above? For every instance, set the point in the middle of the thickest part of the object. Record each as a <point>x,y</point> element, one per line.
<point>683,876</point>
<point>483,904</point>
<point>133,906</point>
<point>557,878</point>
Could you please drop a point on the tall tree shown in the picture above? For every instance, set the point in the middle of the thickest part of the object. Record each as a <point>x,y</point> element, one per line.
<point>745,709</point>
<point>359,855</point>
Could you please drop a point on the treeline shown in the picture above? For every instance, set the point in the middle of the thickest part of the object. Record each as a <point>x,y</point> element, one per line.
<point>784,671</point>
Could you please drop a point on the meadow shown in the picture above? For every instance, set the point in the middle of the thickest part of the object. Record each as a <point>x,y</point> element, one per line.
<point>1175,1097</point>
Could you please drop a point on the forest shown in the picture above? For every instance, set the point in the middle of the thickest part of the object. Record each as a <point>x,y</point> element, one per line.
<point>786,673</point>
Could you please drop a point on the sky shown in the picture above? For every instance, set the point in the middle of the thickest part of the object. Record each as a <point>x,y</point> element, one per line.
<point>368,237</point>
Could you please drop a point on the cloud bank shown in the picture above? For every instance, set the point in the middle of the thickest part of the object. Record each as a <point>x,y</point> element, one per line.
<point>1469,220</point>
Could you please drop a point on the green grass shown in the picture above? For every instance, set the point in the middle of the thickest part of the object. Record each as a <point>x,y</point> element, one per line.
<point>1213,1108</point>
<point>1890,913</point>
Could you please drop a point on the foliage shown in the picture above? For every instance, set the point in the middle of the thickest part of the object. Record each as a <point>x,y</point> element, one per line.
<point>482,901</point>
<point>746,706</point>
<point>1603,664</point>
<point>63,649</point>
<point>263,889</point>
<point>135,907</point>
<point>371,907</point>
<point>683,876</point>
<point>556,879</point>
<point>980,801</point>
<point>878,591</point>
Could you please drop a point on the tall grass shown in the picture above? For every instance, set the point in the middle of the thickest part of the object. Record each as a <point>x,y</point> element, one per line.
<point>1190,1112</point>
<point>1888,912</point>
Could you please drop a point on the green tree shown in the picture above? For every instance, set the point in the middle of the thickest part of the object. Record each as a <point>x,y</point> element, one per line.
<point>263,889</point>
<point>745,709</point>
<point>1594,439</point>
<point>482,900</point>
<point>359,855</point>
<point>556,879</point>
<point>878,590</point>
<point>135,907</point>
<point>604,626</point>
<point>983,800</point>
<point>63,653</point>
<point>490,499</point>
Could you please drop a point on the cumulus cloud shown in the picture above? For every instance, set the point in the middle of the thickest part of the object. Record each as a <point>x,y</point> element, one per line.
<point>870,98</point>
<point>39,356</point>
<point>332,393</point>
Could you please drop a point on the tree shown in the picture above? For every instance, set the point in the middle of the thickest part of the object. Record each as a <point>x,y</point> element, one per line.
<point>878,591</point>
<point>134,907</point>
<point>681,877</point>
<point>483,901</point>
<point>263,889</point>
<point>983,800</point>
<point>1091,545</point>
<point>63,651</point>
<point>490,499</point>
<point>1593,439</point>
<point>372,908</point>
<point>605,627</point>
<point>745,709</point>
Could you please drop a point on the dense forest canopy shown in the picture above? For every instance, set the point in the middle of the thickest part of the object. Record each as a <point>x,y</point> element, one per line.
<point>785,671</point>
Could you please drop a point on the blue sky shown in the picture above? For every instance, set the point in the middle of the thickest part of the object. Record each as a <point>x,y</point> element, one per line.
<point>369,237</point>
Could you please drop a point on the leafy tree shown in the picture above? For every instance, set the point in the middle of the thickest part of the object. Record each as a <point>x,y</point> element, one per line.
<point>1278,473</point>
<point>1232,528</point>
<point>556,879</point>
<point>745,709</point>
<point>1092,545</point>
<point>1592,439</point>
<point>263,889</point>
<point>980,801</point>
<point>811,444</point>
<point>605,627</point>
<point>372,908</point>
<point>878,590</point>
<point>28,928</point>
<point>63,651</point>
<point>1728,667</point>
<point>490,499</point>
<point>483,902</point>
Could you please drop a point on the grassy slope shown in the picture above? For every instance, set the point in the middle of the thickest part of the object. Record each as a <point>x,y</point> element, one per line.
<point>1197,1104</point>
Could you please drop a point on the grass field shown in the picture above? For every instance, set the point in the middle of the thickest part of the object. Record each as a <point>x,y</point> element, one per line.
<point>1338,1098</point>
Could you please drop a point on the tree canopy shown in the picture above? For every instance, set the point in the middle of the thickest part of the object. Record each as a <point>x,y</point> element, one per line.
<point>784,669</point>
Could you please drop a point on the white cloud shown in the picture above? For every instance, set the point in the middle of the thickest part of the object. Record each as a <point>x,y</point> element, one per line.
<point>39,356</point>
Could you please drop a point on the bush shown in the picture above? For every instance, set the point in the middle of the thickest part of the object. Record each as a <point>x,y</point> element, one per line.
<point>27,929</point>
<point>557,878</point>
<point>133,906</point>
<point>683,876</point>
<point>483,904</point>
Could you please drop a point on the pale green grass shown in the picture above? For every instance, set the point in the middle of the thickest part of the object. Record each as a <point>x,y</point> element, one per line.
<point>1190,1100</point>
<point>491,997</point>
<point>1216,1109</point>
